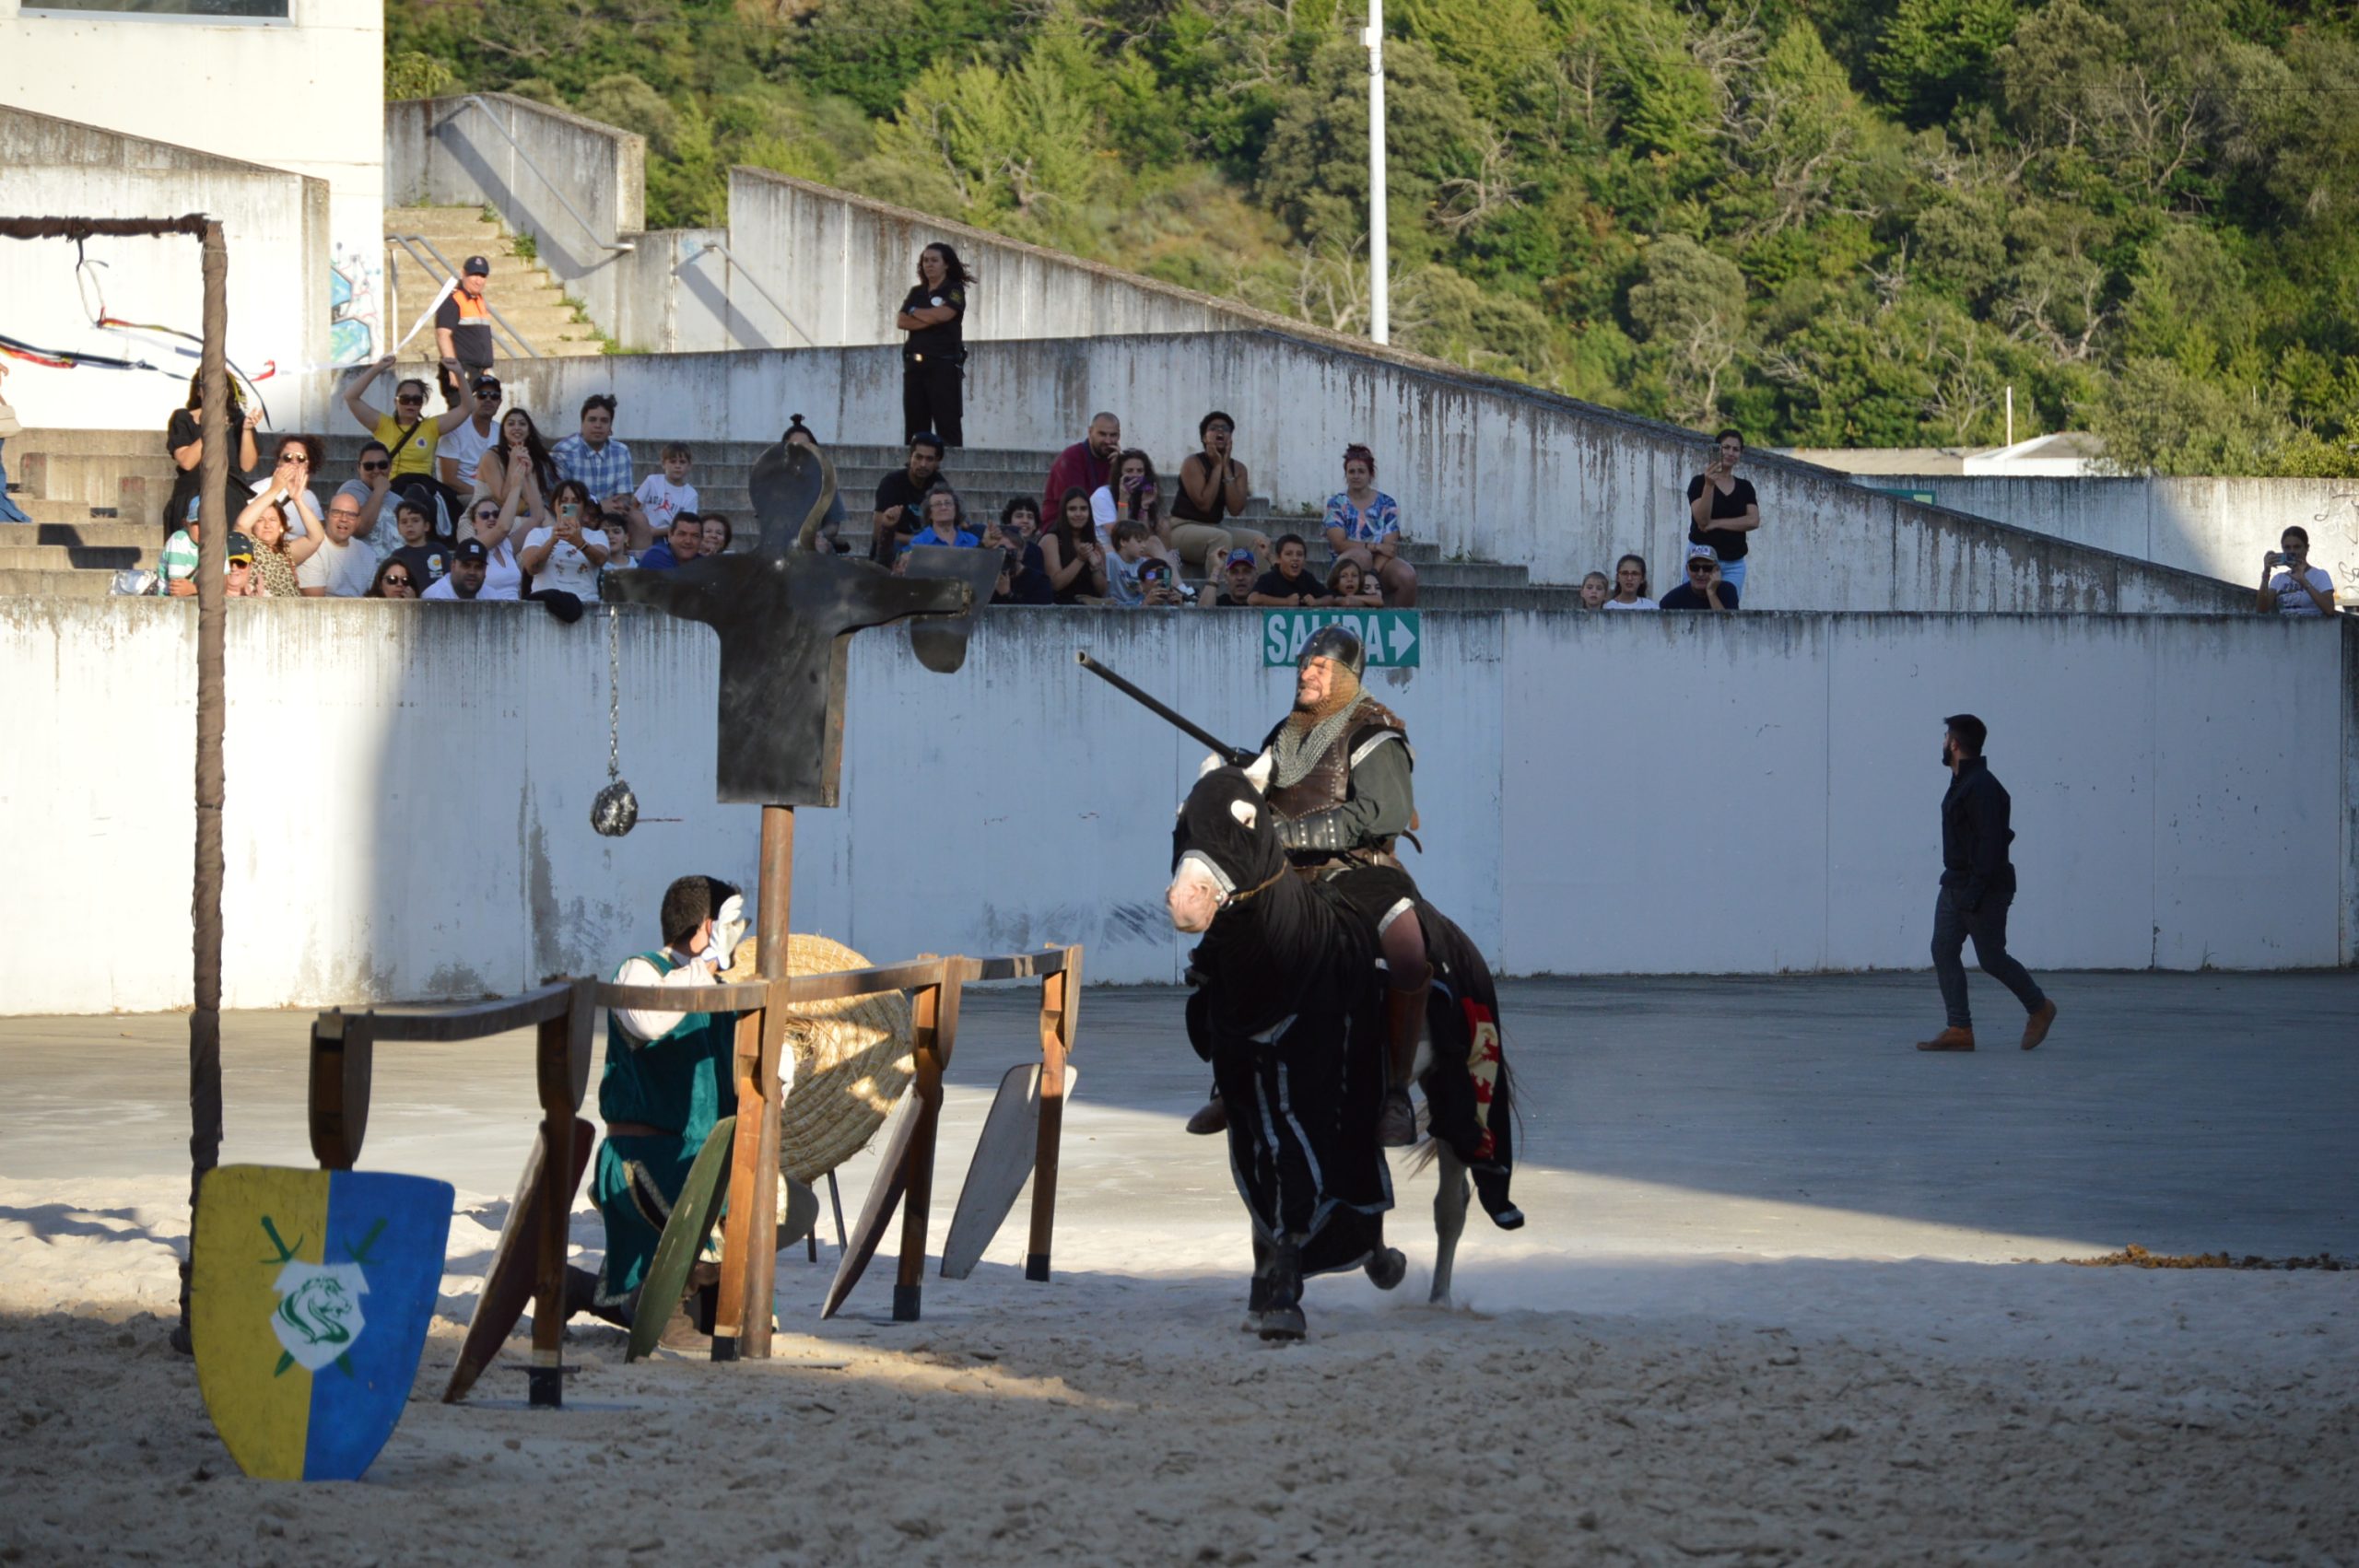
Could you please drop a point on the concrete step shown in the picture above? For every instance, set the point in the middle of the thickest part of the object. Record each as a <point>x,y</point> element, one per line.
<point>81,535</point>
<point>75,557</point>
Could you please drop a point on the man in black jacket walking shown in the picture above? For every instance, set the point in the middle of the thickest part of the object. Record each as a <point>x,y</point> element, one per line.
<point>1978,885</point>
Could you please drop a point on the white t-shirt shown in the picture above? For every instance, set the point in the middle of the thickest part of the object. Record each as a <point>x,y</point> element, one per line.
<point>1106,512</point>
<point>661,501</point>
<point>2292,601</point>
<point>345,570</point>
<point>1641,604</point>
<point>502,577</point>
<point>567,568</point>
<point>468,447</point>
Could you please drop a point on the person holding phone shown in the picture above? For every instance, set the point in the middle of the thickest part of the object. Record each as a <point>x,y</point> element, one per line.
<point>2289,584</point>
<point>566,552</point>
<point>1722,509</point>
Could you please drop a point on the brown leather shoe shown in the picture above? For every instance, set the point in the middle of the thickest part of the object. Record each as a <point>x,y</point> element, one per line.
<point>2036,1029</point>
<point>1212,1118</point>
<point>1949,1040</point>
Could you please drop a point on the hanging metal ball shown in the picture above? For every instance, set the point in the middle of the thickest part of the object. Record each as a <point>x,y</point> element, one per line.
<point>615,811</point>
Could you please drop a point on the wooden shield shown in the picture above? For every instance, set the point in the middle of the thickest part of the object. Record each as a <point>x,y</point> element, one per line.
<point>1002,1163</point>
<point>508,1283</point>
<point>310,1295</point>
<point>693,1216</point>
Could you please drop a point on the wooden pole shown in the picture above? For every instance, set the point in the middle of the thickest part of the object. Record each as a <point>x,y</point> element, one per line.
<point>205,900</point>
<point>559,1056</point>
<point>749,1262</point>
<point>936,1036</point>
<point>1060,1001</point>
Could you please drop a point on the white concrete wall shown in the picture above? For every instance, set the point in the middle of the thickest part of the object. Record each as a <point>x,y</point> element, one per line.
<point>278,226</point>
<point>1484,468</point>
<point>840,263</point>
<point>410,790</point>
<point>305,95</point>
<point>2216,526</point>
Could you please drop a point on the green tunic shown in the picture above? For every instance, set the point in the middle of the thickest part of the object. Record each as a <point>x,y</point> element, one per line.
<point>680,1080</point>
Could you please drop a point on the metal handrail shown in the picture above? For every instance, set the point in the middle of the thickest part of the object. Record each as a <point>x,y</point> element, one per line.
<point>712,245</point>
<point>410,242</point>
<point>554,189</point>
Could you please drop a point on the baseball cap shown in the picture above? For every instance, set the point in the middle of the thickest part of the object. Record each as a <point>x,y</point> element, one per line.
<point>471,550</point>
<point>1239,558</point>
<point>1702,552</point>
<point>476,266</point>
<point>240,548</point>
<point>487,383</point>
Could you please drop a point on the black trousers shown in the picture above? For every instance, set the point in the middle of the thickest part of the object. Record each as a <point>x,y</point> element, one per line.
<point>459,385</point>
<point>933,398</point>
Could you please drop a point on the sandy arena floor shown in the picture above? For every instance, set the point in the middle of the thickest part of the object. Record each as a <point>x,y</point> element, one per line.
<point>1778,1302</point>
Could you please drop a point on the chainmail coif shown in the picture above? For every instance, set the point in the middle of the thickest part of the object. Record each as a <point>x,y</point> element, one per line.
<point>1298,747</point>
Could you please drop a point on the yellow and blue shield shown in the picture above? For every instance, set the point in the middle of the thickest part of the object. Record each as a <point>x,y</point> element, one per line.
<point>310,1293</point>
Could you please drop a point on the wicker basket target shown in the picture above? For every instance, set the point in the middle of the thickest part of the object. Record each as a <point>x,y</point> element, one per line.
<point>852,1060</point>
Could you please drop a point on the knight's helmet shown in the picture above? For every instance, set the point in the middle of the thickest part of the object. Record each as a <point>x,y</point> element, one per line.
<point>1338,643</point>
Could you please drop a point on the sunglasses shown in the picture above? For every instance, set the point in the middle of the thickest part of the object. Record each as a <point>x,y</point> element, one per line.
<point>489,514</point>
<point>491,393</point>
<point>410,397</point>
<point>1699,571</point>
<point>294,457</point>
<point>378,467</point>
<point>397,583</point>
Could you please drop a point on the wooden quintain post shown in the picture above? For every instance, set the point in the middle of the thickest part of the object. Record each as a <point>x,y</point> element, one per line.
<point>204,901</point>
<point>1060,1001</point>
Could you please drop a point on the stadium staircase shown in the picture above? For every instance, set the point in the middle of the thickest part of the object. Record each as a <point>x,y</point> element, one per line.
<point>425,245</point>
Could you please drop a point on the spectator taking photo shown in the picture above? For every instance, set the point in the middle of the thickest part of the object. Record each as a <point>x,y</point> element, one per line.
<point>2289,584</point>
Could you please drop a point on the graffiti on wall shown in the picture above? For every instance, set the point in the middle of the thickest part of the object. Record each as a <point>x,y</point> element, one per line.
<point>355,286</point>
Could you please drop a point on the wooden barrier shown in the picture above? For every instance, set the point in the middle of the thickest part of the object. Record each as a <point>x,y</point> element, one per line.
<point>564,1016</point>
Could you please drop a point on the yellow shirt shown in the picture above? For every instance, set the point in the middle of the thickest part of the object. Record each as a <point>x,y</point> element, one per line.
<point>418,457</point>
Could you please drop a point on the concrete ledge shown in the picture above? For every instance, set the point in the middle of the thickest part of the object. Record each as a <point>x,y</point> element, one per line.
<point>1601,794</point>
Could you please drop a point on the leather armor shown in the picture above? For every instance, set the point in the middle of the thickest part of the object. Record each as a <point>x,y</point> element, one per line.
<point>1328,785</point>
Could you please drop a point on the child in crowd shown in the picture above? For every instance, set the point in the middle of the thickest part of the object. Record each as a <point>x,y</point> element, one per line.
<point>176,573</point>
<point>428,558</point>
<point>1123,588</point>
<point>1594,591</point>
<point>1347,587</point>
<point>663,496</point>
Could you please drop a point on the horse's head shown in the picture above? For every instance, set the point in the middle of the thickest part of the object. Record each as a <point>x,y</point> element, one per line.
<point>1224,841</point>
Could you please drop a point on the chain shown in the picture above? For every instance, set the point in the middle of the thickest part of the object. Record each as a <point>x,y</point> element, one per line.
<point>614,693</point>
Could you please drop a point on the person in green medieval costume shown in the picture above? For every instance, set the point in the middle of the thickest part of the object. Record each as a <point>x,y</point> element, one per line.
<point>667,1082</point>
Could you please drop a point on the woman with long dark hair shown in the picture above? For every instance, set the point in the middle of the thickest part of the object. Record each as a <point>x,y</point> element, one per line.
<point>184,439</point>
<point>1070,553</point>
<point>933,356</point>
<point>517,434</point>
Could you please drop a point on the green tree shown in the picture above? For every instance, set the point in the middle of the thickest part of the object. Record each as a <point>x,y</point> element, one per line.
<point>1938,54</point>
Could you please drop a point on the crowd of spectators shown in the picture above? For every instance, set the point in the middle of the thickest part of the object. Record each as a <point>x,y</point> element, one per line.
<point>1723,511</point>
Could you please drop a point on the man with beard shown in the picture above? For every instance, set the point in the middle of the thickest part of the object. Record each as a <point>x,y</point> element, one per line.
<point>1340,783</point>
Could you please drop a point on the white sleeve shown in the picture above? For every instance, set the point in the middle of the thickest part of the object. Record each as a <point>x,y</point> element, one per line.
<point>313,572</point>
<point>643,1025</point>
<point>439,589</point>
<point>1101,508</point>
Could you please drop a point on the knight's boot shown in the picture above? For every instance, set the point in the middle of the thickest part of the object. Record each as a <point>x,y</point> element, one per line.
<point>1404,1019</point>
<point>1282,1313</point>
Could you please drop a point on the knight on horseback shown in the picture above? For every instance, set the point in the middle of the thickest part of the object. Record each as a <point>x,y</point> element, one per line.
<point>1340,783</point>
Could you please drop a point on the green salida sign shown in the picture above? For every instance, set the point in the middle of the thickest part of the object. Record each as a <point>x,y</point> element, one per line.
<point>1393,637</point>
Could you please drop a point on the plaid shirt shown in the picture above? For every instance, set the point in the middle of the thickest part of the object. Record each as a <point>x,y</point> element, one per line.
<point>606,473</point>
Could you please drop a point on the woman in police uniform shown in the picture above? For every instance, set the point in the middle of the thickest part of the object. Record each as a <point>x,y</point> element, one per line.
<point>933,314</point>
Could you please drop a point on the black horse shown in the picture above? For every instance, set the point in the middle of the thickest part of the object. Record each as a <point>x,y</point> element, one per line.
<point>1288,1009</point>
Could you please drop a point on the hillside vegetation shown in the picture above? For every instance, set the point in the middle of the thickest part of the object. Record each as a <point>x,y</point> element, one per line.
<point>1830,222</point>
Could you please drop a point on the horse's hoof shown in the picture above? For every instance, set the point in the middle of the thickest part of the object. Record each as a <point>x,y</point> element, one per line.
<point>1438,1298</point>
<point>1282,1324</point>
<point>1386,1266</point>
